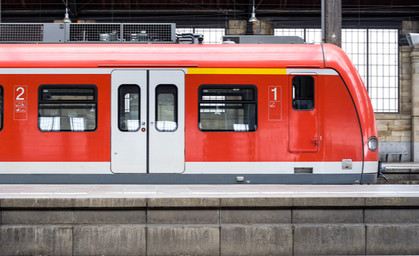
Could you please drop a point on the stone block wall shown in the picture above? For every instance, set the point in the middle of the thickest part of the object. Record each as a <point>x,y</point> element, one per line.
<point>236,27</point>
<point>395,135</point>
<point>239,27</point>
<point>210,226</point>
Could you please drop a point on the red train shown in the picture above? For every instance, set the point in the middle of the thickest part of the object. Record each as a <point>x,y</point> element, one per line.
<point>154,113</point>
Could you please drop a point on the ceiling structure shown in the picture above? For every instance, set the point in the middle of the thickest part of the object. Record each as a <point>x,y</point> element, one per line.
<point>211,13</point>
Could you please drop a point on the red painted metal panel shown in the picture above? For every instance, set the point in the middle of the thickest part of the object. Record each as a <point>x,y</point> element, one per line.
<point>303,126</point>
<point>22,140</point>
<point>303,131</point>
<point>337,125</point>
<point>336,59</point>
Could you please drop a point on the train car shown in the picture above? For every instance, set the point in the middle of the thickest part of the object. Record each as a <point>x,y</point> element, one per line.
<point>172,113</point>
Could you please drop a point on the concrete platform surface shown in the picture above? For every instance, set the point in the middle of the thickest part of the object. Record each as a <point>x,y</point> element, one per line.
<point>207,191</point>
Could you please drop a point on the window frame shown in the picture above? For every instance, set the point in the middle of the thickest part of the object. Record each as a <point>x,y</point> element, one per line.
<point>69,86</point>
<point>314,93</point>
<point>121,103</point>
<point>176,105</point>
<point>228,86</point>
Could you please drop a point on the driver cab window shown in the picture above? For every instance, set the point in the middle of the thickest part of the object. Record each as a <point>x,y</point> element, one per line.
<point>303,93</point>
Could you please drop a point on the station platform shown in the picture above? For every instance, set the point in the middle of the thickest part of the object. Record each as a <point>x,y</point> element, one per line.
<point>209,220</point>
<point>401,165</point>
<point>400,173</point>
<point>206,191</point>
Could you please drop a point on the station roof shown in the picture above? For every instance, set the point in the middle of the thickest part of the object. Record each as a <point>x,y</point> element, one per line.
<point>205,12</point>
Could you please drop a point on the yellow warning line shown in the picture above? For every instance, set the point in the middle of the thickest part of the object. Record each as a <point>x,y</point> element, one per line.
<point>237,71</point>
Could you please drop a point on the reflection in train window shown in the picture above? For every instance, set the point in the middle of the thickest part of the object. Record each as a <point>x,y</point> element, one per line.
<point>228,108</point>
<point>1,108</point>
<point>67,108</point>
<point>129,107</point>
<point>166,108</point>
<point>303,92</point>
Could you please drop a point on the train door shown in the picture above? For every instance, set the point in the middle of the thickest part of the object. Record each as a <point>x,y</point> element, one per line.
<point>167,121</point>
<point>147,121</point>
<point>303,123</point>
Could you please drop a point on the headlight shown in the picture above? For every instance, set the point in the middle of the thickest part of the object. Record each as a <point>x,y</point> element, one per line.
<point>372,143</point>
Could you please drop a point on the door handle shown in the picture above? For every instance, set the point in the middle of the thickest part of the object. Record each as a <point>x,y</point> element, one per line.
<point>316,141</point>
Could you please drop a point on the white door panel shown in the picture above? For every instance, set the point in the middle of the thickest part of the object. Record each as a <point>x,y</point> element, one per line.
<point>167,139</point>
<point>129,148</point>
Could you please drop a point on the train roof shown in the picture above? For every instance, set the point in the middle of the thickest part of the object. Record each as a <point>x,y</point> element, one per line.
<point>160,55</point>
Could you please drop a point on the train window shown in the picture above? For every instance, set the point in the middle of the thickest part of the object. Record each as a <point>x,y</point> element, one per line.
<point>67,108</point>
<point>1,108</point>
<point>303,92</point>
<point>166,108</point>
<point>129,107</point>
<point>228,108</point>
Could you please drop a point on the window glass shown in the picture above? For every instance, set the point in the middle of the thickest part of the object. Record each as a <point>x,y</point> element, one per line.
<point>227,108</point>
<point>166,108</point>
<point>67,94</point>
<point>67,108</point>
<point>303,92</point>
<point>1,108</point>
<point>129,108</point>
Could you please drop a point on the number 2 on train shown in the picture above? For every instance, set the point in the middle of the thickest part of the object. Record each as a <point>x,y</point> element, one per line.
<point>22,91</point>
<point>20,106</point>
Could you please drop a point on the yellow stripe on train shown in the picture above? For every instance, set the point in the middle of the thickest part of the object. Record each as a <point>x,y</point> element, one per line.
<point>237,71</point>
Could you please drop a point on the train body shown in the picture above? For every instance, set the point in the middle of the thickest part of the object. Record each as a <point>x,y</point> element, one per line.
<point>160,113</point>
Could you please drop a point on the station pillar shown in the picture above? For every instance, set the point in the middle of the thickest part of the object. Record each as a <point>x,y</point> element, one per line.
<point>415,102</point>
<point>332,22</point>
<point>409,83</point>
